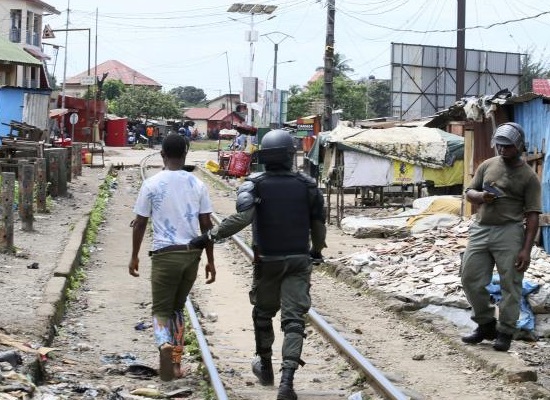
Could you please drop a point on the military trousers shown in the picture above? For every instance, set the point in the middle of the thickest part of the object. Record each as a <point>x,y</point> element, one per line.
<point>282,283</point>
<point>490,246</point>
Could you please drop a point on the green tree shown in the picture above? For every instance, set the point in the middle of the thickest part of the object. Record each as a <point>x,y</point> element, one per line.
<point>348,95</point>
<point>351,97</point>
<point>530,70</point>
<point>143,102</point>
<point>294,90</point>
<point>301,102</point>
<point>113,88</point>
<point>341,65</point>
<point>378,98</point>
<point>188,95</point>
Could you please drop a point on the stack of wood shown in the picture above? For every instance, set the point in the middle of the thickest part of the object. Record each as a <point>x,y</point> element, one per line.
<point>27,142</point>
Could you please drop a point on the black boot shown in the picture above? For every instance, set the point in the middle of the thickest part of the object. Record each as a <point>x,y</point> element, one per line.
<point>263,369</point>
<point>286,388</point>
<point>503,342</point>
<point>486,331</point>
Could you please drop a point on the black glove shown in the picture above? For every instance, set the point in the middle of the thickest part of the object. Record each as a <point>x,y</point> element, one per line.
<point>316,257</point>
<point>201,241</point>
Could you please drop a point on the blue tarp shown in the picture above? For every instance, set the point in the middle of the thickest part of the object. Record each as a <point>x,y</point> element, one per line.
<point>526,319</point>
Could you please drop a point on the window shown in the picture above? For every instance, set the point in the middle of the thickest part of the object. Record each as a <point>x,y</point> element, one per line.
<point>15,30</point>
<point>37,30</point>
<point>30,20</point>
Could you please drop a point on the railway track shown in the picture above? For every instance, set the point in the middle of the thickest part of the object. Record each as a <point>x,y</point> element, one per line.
<point>356,347</point>
<point>106,328</point>
<point>235,359</point>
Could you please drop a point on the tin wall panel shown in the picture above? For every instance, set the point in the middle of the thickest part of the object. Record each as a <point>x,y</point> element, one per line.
<point>534,116</point>
<point>35,109</point>
<point>429,72</point>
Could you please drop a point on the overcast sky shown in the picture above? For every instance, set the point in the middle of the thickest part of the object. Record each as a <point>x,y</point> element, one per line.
<point>200,43</point>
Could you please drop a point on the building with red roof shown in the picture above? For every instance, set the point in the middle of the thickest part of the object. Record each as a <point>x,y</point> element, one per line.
<point>541,86</point>
<point>212,120</point>
<point>115,70</point>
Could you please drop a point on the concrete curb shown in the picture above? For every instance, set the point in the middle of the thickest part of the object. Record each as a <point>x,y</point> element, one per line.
<point>502,363</point>
<point>55,290</point>
<point>70,257</point>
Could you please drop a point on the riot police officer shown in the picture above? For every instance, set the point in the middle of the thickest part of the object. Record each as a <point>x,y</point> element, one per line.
<point>286,210</point>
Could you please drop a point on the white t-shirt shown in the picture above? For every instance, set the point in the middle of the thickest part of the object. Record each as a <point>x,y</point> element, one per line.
<point>173,200</point>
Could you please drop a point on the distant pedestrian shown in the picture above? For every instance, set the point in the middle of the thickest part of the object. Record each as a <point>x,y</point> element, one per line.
<point>508,193</point>
<point>178,204</point>
<point>150,134</point>
<point>241,142</point>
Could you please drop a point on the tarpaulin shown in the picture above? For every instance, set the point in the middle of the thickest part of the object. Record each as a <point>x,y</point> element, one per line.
<point>526,319</point>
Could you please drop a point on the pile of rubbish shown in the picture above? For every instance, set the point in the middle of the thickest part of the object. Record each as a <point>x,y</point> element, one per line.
<point>424,268</point>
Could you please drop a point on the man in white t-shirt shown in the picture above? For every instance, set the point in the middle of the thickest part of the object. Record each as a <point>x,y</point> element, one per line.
<point>178,204</point>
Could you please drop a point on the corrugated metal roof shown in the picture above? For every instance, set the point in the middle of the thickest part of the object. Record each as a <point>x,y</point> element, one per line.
<point>201,113</point>
<point>524,98</point>
<point>425,146</point>
<point>13,54</point>
<point>219,116</point>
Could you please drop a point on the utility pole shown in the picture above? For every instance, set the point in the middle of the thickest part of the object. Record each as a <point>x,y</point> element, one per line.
<point>329,66</point>
<point>252,36</point>
<point>65,64</point>
<point>95,67</point>
<point>460,48</point>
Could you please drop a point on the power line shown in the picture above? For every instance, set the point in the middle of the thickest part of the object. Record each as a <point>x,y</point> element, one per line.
<point>451,30</point>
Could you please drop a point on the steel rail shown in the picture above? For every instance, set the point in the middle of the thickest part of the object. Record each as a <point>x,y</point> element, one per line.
<point>215,380</point>
<point>376,378</point>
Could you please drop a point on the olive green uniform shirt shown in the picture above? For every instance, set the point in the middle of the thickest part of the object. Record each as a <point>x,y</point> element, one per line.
<point>518,188</point>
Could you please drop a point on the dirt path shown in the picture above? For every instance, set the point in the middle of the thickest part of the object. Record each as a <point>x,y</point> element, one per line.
<point>98,337</point>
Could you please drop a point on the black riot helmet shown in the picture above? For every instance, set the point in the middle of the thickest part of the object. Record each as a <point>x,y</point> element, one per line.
<point>277,150</point>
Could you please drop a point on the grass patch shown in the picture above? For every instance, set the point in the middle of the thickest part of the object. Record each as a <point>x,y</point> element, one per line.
<point>75,282</point>
<point>96,217</point>
<point>193,349</point>
<point>209,145</point>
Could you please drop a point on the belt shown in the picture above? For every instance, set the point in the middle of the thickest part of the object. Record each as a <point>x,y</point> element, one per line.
<point>175,247</point>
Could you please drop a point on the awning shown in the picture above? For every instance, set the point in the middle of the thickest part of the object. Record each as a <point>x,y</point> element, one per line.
<point>13,54</point>
<point>246,129</point>
<point>37,53</point>
<point>58,112</point>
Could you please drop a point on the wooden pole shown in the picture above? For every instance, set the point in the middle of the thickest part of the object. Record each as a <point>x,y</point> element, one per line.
<point>468,168</point>
<point>20,164</point>
<point>6,223</point>
<point>41,185</point>
<point>76,159</point>
<point>52,169</point>
<point>27,190</point>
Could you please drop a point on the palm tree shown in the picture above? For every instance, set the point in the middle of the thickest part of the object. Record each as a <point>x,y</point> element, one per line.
<point>340,66</point>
